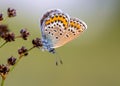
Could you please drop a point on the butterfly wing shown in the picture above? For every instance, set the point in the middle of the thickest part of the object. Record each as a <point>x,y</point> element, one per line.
<point>53,26</point>
<point>58,29</point>
<point>75,28</point>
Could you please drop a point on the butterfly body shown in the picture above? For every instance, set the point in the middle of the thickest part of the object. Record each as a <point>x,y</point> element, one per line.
<point>57,29</point>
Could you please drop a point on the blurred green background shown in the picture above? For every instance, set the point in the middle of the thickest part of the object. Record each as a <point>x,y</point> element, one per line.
<point>93,59</point>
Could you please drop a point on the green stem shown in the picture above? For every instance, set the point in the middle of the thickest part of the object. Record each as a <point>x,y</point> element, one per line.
<point>18,37</point>
<point>14,65</point>
<point>6,20</point>
<point>2,83</point>
<point>19,59</point>
<point>3,44</point>
<point>30,48</point>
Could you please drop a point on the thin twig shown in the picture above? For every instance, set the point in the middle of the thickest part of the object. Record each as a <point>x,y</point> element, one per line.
<point>18,36</point>
<point>2,83</point>
<point>6,20</point>
<point>20,58</point>
<point>3,44</point>
<point>13,67</point>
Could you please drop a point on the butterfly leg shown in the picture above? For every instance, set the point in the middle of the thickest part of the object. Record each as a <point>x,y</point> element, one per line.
<point>58,59</point>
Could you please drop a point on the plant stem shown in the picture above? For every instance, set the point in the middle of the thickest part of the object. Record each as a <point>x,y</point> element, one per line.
<point>3,80</point>
<point>18,36</point>
<point>20,59</point>
<point>30,49</point>
<point>3,44</point>
<point>2,83</point>
<point>15,65</point>
<point>6,20</point>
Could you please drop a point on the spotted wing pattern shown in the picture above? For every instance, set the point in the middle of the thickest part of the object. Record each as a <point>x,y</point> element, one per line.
<point>58,28</point>
<point>53,26</point>
<point>75,28</point>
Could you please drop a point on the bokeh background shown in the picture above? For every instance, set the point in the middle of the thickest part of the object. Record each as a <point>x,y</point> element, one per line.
<point>93,59</point>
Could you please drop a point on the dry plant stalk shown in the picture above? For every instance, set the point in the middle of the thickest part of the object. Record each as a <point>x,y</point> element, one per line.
<point>8,36</point>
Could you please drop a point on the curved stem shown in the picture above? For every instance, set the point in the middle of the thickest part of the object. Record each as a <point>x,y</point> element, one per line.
<point>2,83</point>
<point>14,65</point>
<point>6,20</point>
<point>20,59</point>
<point>30,49</point>
<point>3,44</point>
<point>18,36</point>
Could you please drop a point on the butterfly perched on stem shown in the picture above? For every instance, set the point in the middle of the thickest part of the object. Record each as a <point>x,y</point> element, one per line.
<point>58,28</point>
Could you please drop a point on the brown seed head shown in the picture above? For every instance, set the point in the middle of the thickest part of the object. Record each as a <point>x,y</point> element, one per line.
<point>11,12</point>
<point>37,42</point>
<point>8,37</point>
<point>11,60</point>
<point>4,69</point>
<point>3,29</point>
<point>24,33</point>
<point>23,51</point>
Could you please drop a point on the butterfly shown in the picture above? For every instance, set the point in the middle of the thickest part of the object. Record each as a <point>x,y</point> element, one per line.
<point>58,28</point>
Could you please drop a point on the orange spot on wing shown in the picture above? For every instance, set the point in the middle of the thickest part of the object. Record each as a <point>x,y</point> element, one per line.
<point>78,26</point>
<point>75,24</point>
<point>60,18</point>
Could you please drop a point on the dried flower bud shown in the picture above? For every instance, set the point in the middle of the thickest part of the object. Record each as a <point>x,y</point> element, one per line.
<point>11,60</point>
<point>4,69</point>
<point>3,29</point>
<point>37,42</point>
<point>11,12</point>
<point>23,51</point>
<point>1,16</point>
<point>24,33</point>
<point>8,37</point>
